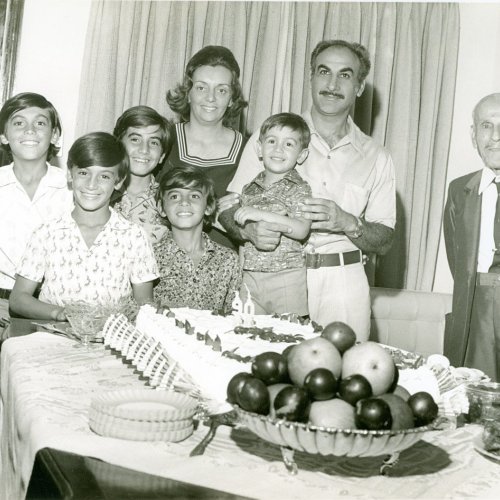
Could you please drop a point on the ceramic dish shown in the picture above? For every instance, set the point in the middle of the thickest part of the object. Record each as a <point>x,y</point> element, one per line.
<point>145,405</point>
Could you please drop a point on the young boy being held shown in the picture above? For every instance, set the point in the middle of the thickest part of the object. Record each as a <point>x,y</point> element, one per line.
<point>195,271</point>
<point>92,254</point>
<point>31,190</point>
<point>146,137</point>
<point>277,279</point>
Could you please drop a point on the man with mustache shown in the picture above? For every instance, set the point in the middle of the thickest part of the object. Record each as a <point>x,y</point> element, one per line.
<point>472,234</point>
<point>353,209</point>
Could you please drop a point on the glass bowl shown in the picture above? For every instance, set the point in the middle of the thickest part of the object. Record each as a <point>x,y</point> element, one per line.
<point>484,401</point>
<point>330,441</point>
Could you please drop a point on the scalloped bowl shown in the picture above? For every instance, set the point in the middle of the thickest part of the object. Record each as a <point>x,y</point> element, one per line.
<point>329,441</point>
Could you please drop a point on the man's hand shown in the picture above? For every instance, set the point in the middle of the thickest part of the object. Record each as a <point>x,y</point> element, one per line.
<point>327,216</point>
<point>264,235</point>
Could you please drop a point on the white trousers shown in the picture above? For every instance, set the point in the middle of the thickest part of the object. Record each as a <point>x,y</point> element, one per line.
<point>340,293</point>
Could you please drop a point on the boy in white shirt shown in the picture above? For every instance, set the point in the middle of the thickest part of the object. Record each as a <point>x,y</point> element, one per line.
<point>31,190</point>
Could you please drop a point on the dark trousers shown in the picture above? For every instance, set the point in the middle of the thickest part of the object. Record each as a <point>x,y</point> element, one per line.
<point>483,348</point>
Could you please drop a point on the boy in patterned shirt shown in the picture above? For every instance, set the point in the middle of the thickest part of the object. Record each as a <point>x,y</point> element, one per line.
<point>277,279</point>
<point>146,137</point>
<point>92,254</point>
<point>195,271</point>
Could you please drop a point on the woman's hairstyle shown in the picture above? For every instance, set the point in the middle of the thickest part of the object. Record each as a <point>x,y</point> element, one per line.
<point>101,149</point>
<point>356,48</point>
<point>144,116</point>
<point>30,100</point>
<point>290,120</point>
<point>188,177</point>
<point>211,55</point>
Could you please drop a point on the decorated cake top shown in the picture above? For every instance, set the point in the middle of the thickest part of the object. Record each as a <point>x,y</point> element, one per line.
<point>213,348</point>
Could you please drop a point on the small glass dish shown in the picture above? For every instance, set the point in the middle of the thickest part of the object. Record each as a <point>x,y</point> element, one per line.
<point>484,401</point>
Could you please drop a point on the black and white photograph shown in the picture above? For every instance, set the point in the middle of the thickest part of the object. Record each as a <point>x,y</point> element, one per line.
<point>249,249</point>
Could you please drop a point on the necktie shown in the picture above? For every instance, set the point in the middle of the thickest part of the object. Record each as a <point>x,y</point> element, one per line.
<point>495,266</point>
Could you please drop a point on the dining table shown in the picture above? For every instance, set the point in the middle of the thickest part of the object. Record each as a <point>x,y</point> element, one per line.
<point>47,386</point>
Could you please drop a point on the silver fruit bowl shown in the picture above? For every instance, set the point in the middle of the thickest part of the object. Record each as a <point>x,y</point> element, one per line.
<point>311,439</point>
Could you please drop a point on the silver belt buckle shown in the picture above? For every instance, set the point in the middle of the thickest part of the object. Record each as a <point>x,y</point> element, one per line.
<point>313,260</point>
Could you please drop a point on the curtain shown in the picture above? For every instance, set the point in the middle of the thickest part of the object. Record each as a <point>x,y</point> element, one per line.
<point>137,50</point>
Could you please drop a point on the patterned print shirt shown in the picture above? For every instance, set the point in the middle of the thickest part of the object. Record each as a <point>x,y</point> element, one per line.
<point>210,285</point>
<point>99,275</point>
<point>282,197</point>
<point>142,210</point>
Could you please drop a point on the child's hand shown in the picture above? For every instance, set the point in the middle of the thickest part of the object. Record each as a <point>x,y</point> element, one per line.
<point>245,214</point>
<point>227,201</point>
<point>58,314</point>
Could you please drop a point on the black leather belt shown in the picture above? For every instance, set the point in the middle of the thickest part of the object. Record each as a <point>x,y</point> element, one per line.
<point>317,260</point>
<point>4,293</point>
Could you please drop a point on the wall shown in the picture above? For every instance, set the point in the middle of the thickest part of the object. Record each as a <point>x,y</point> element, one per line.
<point>478,75</point>
<point>51,52</point>
<point>50,56</point>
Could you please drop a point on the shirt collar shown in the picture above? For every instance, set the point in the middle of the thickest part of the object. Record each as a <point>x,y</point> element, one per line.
<point>488,177</point>
<point>354,135</point>
<point>53,178</point>
<point>291,175</point>
<point>210,245</point>
<point>149,192</point>
<point>115,222</point>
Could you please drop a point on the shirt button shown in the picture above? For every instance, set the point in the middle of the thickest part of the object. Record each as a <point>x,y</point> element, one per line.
<point>324,183</point>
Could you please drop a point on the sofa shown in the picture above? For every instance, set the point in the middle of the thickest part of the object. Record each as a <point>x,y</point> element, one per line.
<point>410,320</point>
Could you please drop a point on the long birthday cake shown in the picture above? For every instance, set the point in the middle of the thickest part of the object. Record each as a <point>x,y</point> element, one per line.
<point>212,348</point>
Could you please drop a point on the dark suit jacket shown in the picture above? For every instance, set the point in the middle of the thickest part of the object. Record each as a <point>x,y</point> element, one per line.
<point>461,226</point>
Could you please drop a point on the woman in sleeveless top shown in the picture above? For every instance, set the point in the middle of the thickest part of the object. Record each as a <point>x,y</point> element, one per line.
<point>208,101</point>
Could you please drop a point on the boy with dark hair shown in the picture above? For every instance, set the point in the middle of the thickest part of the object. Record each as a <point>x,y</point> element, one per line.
<point>92,254</point>
<point>195,271</point>
<point>146,136</point>
<point>277,279</point>
<point>31,190</point>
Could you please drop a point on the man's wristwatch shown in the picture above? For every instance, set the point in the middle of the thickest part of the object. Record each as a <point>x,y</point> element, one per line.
<point>358,232</point>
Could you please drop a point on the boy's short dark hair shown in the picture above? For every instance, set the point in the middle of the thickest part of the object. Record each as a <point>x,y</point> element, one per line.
<point>290,120</point>
<point>99,148</point>
<point>144,116</point>
<point>188,177</point>
<point>29,100</point>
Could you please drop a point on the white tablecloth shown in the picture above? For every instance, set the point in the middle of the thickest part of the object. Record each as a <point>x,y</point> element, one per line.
<point>47,386</point>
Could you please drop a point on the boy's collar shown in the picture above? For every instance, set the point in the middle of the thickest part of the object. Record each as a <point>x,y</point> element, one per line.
<point>291,175</point>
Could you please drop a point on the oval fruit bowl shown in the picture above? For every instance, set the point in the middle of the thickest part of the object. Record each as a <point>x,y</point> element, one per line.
<point>330,441</point>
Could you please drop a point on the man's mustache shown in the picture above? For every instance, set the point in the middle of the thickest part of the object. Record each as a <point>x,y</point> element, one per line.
<point>332,94</point>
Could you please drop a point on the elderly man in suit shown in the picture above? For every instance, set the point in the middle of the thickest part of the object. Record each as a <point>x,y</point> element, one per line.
<point>472,236</point>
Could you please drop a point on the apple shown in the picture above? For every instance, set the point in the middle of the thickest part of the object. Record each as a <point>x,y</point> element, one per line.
<point>395,380</point>
<point>254,396</point>
<point>321,384</point>
<point>372,361</point>
<point>401,392</point>
<point>354,388</point>
<point>292,403</point>
<point>424,408</point>
<point>340,334</point>
<point>373,414</point>
<point>311,354</point>
<point>274,389</point>
<point>334,413</point>
<point>234,386</point>
<point>270,367</point>
<point>402,416</point>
